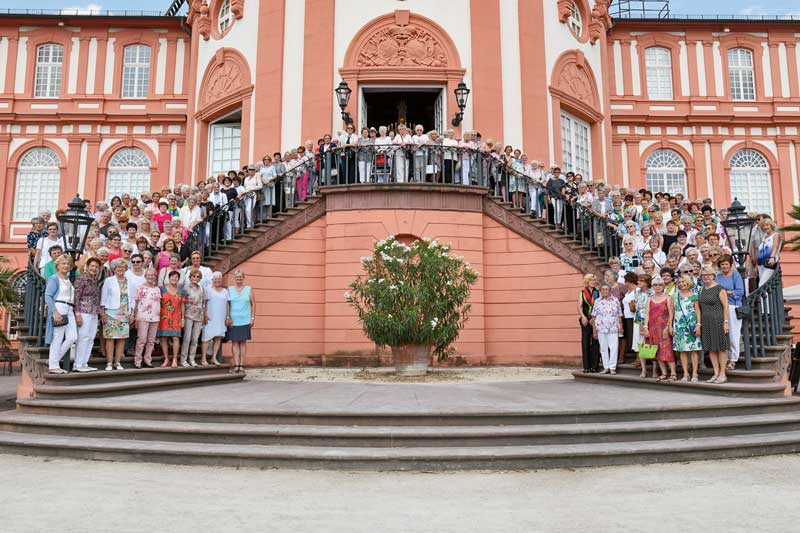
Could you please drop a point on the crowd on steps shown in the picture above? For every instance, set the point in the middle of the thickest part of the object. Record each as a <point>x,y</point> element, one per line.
<point>673,285</point>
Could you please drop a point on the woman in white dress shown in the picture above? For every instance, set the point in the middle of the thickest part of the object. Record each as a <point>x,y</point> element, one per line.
<point>466,157</point>
<point>420,139</point>
<point>216,310</point>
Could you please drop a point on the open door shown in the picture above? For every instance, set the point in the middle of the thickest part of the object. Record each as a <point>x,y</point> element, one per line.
<point>438,113</point>
<point>362,111</point>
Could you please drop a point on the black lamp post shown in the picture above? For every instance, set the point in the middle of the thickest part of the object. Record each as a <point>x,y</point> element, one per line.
<point>75,224</point>
<point>343,97</point>
<point>739,228</point>
<point>462,95</point>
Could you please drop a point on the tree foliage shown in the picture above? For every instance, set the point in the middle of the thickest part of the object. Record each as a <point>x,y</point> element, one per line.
<point>413,294</point>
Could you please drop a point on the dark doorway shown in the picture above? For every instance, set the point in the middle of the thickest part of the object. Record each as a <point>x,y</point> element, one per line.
<point>411,107</point>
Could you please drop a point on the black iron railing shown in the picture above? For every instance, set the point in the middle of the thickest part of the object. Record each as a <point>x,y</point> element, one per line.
<point>34,308</point>
<point>764,318</point>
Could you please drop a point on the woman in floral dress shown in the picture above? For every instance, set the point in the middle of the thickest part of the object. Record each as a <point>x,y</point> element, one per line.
<point>171,323</point>
<point>686,326</point>
<point>658,328</point>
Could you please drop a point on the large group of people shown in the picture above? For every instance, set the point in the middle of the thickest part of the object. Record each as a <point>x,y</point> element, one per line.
<point>141,285</point>
<point>675,287</point>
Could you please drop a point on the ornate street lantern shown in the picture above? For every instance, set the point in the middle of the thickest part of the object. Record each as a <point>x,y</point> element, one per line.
<point>462,95</point>
<point>739,228</point>
<point>343,97</point>
<point>75,223</point>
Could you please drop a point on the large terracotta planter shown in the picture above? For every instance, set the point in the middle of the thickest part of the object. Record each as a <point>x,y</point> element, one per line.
<point>411,359</point>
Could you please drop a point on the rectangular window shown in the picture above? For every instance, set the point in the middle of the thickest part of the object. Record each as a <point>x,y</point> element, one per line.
<point>224,144</point>
<point>741,77</point>
<point>49,65</point>
<point>576,146</point>
<point>658,66</point>
<point>136,71</point>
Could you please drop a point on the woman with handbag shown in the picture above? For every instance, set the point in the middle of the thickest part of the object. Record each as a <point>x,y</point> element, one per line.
<point>59,296</point>
<point>732,282</point>
<point>686,326</point>
<point>586,299</point>
<point>658,319</point>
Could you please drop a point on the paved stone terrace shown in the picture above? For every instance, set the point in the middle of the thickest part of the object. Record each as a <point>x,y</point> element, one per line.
<point>548,397</point>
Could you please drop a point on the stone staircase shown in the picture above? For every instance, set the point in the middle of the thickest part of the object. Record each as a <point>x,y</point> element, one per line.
<point>305,437</point>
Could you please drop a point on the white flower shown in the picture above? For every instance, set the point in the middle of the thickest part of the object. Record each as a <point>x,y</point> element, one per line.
<point>434,322</point>
<point>449,282</point>
<point>347,296</point>
<point>366,259</point>
<point>426,239</point>
<point>393,287</point>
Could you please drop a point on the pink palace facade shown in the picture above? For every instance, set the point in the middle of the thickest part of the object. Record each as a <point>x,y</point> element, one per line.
<point>101,105</point>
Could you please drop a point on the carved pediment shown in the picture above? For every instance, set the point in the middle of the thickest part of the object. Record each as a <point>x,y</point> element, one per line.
<point>226,78</point>
<point>574,81</point>
<point>402,45</point>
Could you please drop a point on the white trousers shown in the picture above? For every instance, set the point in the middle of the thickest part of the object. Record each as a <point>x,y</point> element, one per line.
<point>364,171</point>
<point>86,335</point>
<point>609,347</point>
<point>735,333</point>
<point>63,337</point>
<point>400,167</point>
<point>465,168</point>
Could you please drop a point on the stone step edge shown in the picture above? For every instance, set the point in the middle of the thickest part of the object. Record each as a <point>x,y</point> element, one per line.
<point>405,432</point>
<point>78,405</point>
<point>136,373</point>
<point>153,449</point>
<point>132,385</point>
<point>730,388</point>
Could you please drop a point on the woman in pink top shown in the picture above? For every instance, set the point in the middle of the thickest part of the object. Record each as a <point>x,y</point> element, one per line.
<point>167,250</point>
<point>146,315</point>
<point>162,215</point>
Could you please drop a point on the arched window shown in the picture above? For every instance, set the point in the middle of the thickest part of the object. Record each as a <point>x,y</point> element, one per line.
<point>38,179</point>
<point>576,147</point>
<point>575,21</point>
<point>225,17</point>
<point>666,172</point>
<point>49,66</point>
<point>136,71</point>
<point>750,181</point>
<point>658,66</point>
<point>740,74</point>
<point>128,172</point>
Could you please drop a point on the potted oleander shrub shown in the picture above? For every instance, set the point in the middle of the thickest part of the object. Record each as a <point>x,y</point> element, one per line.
<point>413,299</point>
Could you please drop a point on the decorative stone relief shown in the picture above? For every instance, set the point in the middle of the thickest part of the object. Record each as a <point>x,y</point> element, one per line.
<point>402,45</point>
<point>200,21</point>
<point>564,10</point>
<point>574,81</point>
<point>601,20</point>
<point>237,8</point>
<point>226,78</point>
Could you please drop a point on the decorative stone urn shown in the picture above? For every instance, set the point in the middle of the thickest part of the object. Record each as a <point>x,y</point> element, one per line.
<point>411,359</point>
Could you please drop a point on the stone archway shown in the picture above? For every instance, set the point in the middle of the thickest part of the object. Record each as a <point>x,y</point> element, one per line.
<point>402,48</point>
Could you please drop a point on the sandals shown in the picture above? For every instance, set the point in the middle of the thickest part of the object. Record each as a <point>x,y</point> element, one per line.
<point>673,377</point>
<point>721,380</point>
<point>661,378</point>
<point>694,379</point>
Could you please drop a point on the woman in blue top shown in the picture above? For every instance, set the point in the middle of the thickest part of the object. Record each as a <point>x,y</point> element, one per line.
<point>241,314</point>
<point>733,284</point>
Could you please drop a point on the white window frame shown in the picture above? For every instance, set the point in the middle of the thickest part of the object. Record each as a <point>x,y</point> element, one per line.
<point>741,75</point>
<point>575,20</point>
<point>37,184</point>
<point>128,172</point>
<point>747,181</point>
<point>49,71</point>
<point>136,71</point>
<point>660,177</point>
<point>576,145</point>
<point>658,70</point>
<point>225,17</point>
<point>224,147</point>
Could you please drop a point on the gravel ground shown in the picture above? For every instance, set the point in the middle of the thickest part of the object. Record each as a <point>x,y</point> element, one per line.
<point>64,495</point>
<point>437,375</point>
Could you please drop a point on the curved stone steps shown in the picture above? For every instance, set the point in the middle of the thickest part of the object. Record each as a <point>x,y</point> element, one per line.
<point>399,437</point>
<point>131,373</point>
<point>132,386</point>
<point>422,458</point>
<point>732,388</point>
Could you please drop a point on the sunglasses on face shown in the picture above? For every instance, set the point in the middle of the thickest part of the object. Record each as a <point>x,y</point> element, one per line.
<point>136,262</point>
